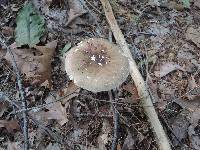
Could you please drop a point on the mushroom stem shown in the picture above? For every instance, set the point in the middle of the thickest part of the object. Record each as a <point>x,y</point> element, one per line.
<point>115,118</point>
<point>138,79</point>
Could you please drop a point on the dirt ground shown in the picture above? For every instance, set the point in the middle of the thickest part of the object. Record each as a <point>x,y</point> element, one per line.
<point>164,38</point>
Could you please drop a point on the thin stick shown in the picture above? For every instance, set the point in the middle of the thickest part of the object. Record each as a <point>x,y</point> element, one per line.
<point>115,120</point>
<point>24,103</point>
<point>138,79</point>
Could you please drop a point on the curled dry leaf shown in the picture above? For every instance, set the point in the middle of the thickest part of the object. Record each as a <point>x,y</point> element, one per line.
<point>76,10</point>
<point>9,125</point>
<point>167,68</point>
<point>193,34</point>
<point>34,63</point>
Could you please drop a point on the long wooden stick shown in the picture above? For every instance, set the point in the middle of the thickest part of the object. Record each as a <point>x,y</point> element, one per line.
<point>162,139</point>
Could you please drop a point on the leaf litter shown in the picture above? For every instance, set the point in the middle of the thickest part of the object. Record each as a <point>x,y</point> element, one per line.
<point>35,62</point>
<point>82,119</point>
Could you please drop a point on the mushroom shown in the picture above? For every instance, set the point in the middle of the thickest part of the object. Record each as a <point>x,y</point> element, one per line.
<point>96,65</point>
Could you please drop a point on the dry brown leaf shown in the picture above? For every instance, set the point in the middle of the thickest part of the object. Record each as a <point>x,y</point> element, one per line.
<point>193,89</point>
<point>193,34</point>
<point>55,111</point>
<point>131,88</point>
<point>72,90</point>
<point>58,110</point>
<point>35,63</point>
<point>9,125</point>
<point>167,68</point>
<point>76,10</point>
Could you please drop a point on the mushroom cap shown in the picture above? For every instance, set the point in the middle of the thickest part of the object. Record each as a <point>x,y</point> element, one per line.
<point>96,65</point>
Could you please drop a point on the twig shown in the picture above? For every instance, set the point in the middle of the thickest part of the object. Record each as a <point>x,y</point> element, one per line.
<point>115,120</point>
<point>94,7</point>
<point>138,79</point>
<point>22,96</point>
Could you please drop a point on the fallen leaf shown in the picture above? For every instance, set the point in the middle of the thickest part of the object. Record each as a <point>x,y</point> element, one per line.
<point>186,3</point>
<point>193,89</point>
<point>129,142</point>
<point>56,111</point>
<point>65,49</point>
<point>131,88</point>
<point>52,146</point>
<point>13,145</point>
<point>72,90</point>
<point>2,53</point>
<point>185,55</point>
<point>30,26</point>
<point>103,137</point>
<point>35,63</point>
<point>193,130</point>
<point>153,3</point>
<point>3,108</point>
<point>197,3</point>
<point>3,3</point>
<point>179,126</point>
<point>193,34</point>
<point>7,31</point>
<point>167,68</point>
<point>76,10</point>
<point>10,125</point>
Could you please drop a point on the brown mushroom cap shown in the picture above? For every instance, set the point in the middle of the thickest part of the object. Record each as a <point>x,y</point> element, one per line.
<point>96,65</point>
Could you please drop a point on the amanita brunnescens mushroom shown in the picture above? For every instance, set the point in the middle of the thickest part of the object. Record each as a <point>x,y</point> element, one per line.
<point>96,65</point>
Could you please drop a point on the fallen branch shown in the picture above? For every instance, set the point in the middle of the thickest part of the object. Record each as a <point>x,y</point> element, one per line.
<point>137,78</point>
<point>115,121</point>
<point>22,96</point>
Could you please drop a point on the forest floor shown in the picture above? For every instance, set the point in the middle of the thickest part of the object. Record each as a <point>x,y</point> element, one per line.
<point>164,38</point>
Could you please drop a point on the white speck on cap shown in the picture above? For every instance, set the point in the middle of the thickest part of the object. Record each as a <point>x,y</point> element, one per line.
<point>100,64</point>
<point>93,58</point>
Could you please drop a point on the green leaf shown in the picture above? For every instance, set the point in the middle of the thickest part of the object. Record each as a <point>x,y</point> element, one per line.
<point>186,3</point>
<point>65,49</point>
<point>30,26</point>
